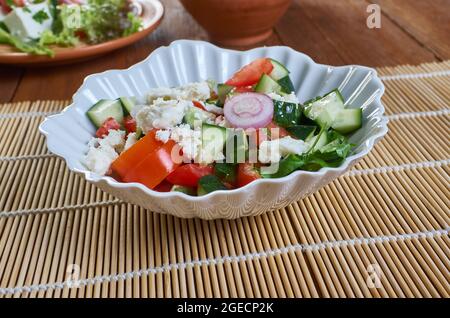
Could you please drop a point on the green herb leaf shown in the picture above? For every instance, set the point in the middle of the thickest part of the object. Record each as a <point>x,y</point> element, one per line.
<point>40,16</point>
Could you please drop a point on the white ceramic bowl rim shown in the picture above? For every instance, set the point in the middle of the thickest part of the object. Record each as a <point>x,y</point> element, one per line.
<point>92,177</point>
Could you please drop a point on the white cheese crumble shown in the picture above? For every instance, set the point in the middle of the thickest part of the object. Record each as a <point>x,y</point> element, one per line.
<point>131,140</point>
<point>163,135</point>
<point>269,151</point>
<point>199,91</point>
<point>189,140</point>
<point>289,98</point>
<point>273,150</point>
<point>162,114</point>
<point>103,151</point>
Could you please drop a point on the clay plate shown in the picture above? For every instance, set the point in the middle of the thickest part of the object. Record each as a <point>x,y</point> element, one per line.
<point>152,14</point>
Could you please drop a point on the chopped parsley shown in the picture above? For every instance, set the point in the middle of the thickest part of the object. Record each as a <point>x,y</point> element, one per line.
<point>40,16</point>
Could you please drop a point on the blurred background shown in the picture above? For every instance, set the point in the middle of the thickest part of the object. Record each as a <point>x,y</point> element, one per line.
<point>331,32</point>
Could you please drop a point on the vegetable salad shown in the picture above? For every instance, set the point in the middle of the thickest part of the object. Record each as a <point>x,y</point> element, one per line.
<point>35,26</point>
<point>206,136</point>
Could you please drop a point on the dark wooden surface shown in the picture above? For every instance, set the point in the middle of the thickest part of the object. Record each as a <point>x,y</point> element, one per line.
<point>330,31</point>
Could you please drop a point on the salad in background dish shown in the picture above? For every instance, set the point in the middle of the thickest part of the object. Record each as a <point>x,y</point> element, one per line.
<point>206,136</point>
<point>35,27</point>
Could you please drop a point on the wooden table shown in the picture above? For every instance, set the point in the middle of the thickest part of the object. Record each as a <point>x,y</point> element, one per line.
<point>330,31</point>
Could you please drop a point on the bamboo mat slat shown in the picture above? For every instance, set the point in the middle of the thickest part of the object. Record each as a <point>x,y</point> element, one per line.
<point>381,230</point>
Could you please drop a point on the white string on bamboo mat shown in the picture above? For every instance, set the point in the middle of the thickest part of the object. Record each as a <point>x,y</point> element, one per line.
<point>414,75</point>
<point>27,114</point>
<point>354,172</point>
<point>223,259</point>
<point>409,115</point>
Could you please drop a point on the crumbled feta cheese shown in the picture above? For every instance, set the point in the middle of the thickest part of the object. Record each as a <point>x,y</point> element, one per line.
<point>131,140</point>
<point>269,151</point>
<point>115,139</point>
<point>161,114</point>
<point>272,151</point>
<point>289,98</point>
<point>193,91</point>
<point>99,159</point>
<point>29,22</point>
<point>163,135</point>
<point>290,145</point>
<point>103,151</point>
<point>189,140</point>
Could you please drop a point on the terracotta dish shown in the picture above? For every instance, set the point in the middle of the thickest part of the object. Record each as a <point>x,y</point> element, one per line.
<point>237,22</point>
<point>152,14</point>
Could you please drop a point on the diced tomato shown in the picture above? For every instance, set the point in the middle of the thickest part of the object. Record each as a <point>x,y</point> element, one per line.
<point>276,132</point>
<point>247,173</point>
<point>135,154</point>
<point>7,8</point>
<point>198,105</point>
<point>188,175</point>
<point>251,73</point>
<point>244,89</point>
<point>163,187</point>
<point>109,124</point>
<point>130,124</point>
<point>154,168</point>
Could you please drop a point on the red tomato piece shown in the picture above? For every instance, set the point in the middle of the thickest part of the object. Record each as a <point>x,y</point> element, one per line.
<point>188,175</point>
<point>251,73</point>
<point>130,158</point>
<point>246,173</point>
<point>130,124</point>
<point>198,105</point>
<point>163,187</point>
<point>6,7</point>
<point>275,131</point>
<point>244,89</point>
<point>109,124</point>
<point>154,168</point>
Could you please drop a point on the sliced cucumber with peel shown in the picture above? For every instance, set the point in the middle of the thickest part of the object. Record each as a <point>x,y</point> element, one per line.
<point>105,109</point>
<point>213,139</point>
<point>128,104</point>
<point>324,110</point>
<point>279,71</point>
<point>267,85</point>
<point>347,120</point>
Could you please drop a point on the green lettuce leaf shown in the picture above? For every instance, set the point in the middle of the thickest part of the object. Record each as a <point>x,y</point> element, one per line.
<point>32,47</point>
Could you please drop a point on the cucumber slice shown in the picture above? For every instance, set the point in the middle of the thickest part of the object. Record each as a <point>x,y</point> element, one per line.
<point>323,140</point>
<point>302,132</point>
<point>286,84</point>
<point>187,190</point>
<point>347,120</point>
<point>128,104</point>
<point>213,139</point>
<point>236,146</point>
<point>222,92</point>
<point>279,70</point>
<point>194,114</point>
<point>267,85</point>
<point>324,110</point>
<point>208,184</point>
<point>105,109</point>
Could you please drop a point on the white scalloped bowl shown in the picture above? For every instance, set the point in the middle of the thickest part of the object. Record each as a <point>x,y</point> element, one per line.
<point>186,61</point>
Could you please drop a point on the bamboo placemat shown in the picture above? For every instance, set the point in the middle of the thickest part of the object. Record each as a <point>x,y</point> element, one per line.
<point>379,231</point>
